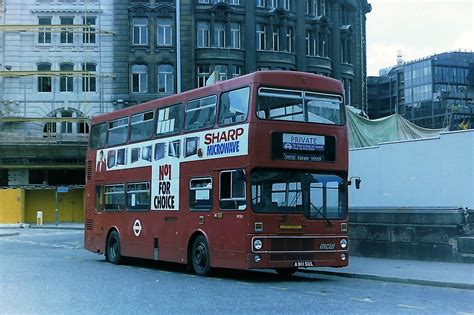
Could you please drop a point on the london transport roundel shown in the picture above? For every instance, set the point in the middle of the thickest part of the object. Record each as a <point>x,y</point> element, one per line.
<point>137,227</point>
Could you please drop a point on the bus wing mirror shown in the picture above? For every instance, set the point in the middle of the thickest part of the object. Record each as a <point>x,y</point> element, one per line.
<point>240,175</point>
<point>357,181</point>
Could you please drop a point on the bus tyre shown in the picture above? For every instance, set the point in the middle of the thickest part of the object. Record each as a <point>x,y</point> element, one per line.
<point>286,272</point>
<point>113,254</point>
<point>200,256</point>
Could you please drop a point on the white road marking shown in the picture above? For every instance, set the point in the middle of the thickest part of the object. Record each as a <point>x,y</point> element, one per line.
<point>411,306</point>
<point>367,300</point>
<point>317,293</point>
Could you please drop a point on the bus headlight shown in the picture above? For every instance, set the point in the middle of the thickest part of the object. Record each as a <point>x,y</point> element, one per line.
<point>343,243</point>
<point>257,244</point>
<point>343,257</point>
<point>257,258</point>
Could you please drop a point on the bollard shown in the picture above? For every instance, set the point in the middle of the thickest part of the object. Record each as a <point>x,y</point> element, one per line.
<point>39,217</point>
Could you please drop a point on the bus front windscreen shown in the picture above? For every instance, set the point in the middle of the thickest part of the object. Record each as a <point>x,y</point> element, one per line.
<point>300,106</point>
<point>316,195</point>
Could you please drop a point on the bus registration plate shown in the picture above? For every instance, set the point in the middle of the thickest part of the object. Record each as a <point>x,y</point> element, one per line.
<point>303,264</point>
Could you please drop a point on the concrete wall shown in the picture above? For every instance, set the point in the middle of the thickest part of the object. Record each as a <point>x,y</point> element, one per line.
<point>428,173</point>
<point>71,205</point>
<point>12,205</point>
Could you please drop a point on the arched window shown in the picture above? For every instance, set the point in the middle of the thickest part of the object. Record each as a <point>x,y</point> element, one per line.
<point>44,82</point>
<point>69,127</point>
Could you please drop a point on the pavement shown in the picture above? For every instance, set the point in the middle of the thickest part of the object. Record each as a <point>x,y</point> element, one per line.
<point>429,273</point>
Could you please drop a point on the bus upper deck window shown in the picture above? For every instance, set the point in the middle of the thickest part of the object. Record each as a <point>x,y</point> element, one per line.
<point>170,120</point>
<point>200,113</point>
<point>98,136</point>
<point>234,106</point>
<point>118,131</point>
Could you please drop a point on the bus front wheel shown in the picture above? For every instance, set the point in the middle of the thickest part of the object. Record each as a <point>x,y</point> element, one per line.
<point>200,256</point>
<point>286,272</point>
<point>113,254</point>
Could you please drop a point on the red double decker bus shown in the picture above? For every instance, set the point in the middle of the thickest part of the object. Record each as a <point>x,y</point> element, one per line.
<point>248,173</point>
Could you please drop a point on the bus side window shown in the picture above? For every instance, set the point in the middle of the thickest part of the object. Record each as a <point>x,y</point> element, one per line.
<point>114,197</point>
<point>170,120</point>
<point>138,196</point>
<point>98,136</point>
<point>234,106</point>
<point>200,113</point>
<point>141,126</point>
<point>232,190</point>
<point>118,131</point>
<point>200,194</point>
<point>99,201</point>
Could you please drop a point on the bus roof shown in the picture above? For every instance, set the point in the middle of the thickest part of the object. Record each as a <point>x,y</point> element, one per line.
<point>282,79</point>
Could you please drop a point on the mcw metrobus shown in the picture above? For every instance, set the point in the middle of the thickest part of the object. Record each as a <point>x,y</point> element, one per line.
<point>248,173</point>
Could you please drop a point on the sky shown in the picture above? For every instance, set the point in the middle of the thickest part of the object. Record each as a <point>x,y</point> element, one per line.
<point>419,28</point>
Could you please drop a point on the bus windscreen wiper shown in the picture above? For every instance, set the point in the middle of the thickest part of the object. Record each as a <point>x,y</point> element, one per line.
<point>321,213</point>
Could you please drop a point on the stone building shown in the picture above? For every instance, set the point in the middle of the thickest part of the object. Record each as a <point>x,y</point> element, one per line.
<point>64,61</point>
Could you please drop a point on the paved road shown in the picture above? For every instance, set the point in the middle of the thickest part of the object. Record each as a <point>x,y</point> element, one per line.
<point>48,272</point>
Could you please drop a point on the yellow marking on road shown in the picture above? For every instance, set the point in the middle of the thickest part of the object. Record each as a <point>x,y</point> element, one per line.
<point>279,288</point>
<point>162,271</point>
<point>411,306</point>
<point>367,300</point>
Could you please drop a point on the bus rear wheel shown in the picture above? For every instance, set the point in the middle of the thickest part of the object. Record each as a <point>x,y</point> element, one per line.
<point>200,256</point>
<point>113,254</point>
<point>286,272</point>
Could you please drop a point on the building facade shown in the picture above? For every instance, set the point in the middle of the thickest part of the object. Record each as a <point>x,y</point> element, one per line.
<point>64,61</point>
<point>434,92</point>
<point>56,71</point>
<point>235,37</point>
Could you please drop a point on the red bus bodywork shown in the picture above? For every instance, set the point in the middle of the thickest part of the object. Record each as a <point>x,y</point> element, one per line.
<point>289,240</point>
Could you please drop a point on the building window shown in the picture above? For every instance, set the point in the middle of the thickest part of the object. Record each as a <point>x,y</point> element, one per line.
<point>88,36</point>
<point>273,4</point>
<point>165,79</point>
<point>261,3</point>
<point>308,43</point>
<point>66,81</point>
<point>140,31</point>
<point>44,34</point>
<point>289,38</point>
<point>44,82</point>
<point>235,35</point>
<point>164,32</point>
<point>139,79</point>
<point>203,1</point>
<point>235,71</point>
<point>234,2</point>
<point>322,7</point>
<point>261,37</point>
<point>221,72</point>
<point>203,73</point>
<point>67,36</point>
<point>89,81</point>
<point>276,38</point>
<point>219,35</point>
<point>203,34</point>
<point>286,5</point>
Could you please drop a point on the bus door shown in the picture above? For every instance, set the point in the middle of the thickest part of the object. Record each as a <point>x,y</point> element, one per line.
<point>229,224</point>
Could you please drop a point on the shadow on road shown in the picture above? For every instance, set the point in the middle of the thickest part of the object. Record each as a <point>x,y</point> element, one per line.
<point>260,276</point>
